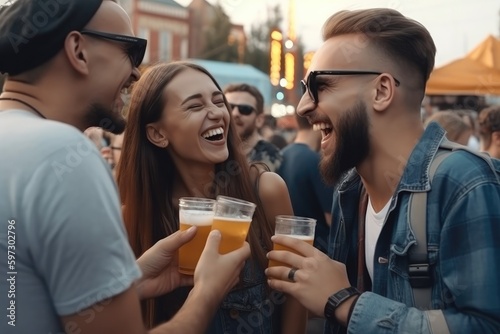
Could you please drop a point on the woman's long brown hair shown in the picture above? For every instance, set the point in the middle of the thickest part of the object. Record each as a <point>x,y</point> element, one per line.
<point>146,172</point>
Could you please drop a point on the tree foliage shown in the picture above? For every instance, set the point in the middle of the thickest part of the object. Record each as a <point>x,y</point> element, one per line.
<point>217,38</point>
<point>257,51</point>
<point>258,43</point>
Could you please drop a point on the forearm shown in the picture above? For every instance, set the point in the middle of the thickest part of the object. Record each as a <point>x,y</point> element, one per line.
<point>194,316</point>
<point>376,314</point>
<point>294,317</point>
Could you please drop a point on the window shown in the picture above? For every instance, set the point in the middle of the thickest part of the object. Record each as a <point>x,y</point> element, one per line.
<point>184,48</point>
<point>165,49</point>
<point>144,33</point>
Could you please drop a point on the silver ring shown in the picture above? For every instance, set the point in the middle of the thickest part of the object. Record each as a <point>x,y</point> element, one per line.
<point>291,274</point>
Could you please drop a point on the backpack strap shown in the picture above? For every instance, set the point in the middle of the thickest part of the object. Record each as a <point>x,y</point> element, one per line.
<point>419,269</point>
<point>418,261</point>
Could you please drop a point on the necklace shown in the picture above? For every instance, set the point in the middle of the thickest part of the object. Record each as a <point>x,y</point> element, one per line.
<point>25,103</point>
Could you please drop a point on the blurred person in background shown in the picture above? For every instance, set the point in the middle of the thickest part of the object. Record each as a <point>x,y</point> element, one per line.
<point>489,131</point>
<point>247,110</point>
<point>426,109</point>
<point>470,117</point>
<point>113,150</point>
<point>457,130</point>
<point>107,143</point>
<point>278,140</point>
<point>269,126</point>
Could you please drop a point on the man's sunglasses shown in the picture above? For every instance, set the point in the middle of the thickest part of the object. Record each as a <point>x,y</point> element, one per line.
<point>312,86</point>
<point>136,47</point>
<point>243,109</point>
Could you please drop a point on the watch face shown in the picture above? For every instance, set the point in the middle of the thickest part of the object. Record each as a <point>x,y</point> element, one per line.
<point>341,295</point>
<point>337,298</point>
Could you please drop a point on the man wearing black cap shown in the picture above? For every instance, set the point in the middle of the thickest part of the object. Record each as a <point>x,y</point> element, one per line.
<point>63,247</point>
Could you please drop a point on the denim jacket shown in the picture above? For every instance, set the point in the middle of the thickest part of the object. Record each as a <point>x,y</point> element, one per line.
<point>463,242</point>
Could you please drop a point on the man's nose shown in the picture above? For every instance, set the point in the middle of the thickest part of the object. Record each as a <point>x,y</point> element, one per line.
<point>305,105</point>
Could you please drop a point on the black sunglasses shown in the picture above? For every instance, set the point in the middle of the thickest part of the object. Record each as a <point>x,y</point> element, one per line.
<point>136,47</point>
<point>243,109</point>
<point>311,84</point>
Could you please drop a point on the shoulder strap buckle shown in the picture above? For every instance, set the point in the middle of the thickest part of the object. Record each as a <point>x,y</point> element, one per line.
<point>420,275</point>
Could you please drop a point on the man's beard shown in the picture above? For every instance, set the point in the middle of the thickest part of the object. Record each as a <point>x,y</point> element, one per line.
<point>106,118</point>
<point>352,144</point>
<point>247,132</point>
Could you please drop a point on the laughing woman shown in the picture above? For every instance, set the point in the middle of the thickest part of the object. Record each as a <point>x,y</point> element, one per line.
<point>179,143</point>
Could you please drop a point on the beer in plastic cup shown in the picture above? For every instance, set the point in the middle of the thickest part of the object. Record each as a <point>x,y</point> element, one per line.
<point>300,228</point>
<point>199,212</point>
<point>232,218</point>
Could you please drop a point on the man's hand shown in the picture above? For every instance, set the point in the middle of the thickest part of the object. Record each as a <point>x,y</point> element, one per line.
<point>159,264</point>
<point>317,276</point>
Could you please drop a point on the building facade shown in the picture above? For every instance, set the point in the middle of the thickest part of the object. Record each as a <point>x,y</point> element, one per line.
<point>175,32</point>
<point>166,26</point>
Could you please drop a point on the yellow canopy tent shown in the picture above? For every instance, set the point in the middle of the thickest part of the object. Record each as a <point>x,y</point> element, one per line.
<point>476,74</point>
<point>487,53</point>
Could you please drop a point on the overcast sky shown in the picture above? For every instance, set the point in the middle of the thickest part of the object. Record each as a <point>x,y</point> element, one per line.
<point>456,26</point>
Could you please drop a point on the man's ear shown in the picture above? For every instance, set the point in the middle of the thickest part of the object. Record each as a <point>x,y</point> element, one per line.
<point>259,120</point>
<point>76,52</point>
<point>156,135</point>
<point>384,92</point>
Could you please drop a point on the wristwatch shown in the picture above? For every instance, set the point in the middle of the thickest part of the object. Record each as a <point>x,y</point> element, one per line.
<point>338,298</point>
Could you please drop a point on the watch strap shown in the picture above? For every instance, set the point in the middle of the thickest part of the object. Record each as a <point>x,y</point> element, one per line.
<point>338,298</point>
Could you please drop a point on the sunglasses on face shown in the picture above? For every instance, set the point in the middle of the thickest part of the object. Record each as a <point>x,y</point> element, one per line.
<point>135,47</point>
<point>243,109</point>
<point>311,84</point>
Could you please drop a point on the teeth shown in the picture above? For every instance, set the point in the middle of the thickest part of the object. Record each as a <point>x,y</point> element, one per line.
<point>213,132</point>
<point>321,126</point>
<point>125,94</point>
<point>125,91</point>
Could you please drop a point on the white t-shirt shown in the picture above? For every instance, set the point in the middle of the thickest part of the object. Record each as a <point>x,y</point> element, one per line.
<point>60,220</point>
<point>374,221</point>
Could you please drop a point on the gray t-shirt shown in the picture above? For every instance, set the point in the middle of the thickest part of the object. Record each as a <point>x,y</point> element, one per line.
<point>63,246</point>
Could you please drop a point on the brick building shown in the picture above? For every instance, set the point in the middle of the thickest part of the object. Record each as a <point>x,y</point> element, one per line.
<point>175,32</point>
<point>165,24</point>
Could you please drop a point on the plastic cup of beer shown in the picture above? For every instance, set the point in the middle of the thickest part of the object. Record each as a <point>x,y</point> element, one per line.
<point>300,228</point>
<point>199,212</point>
<point>232,218</point>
